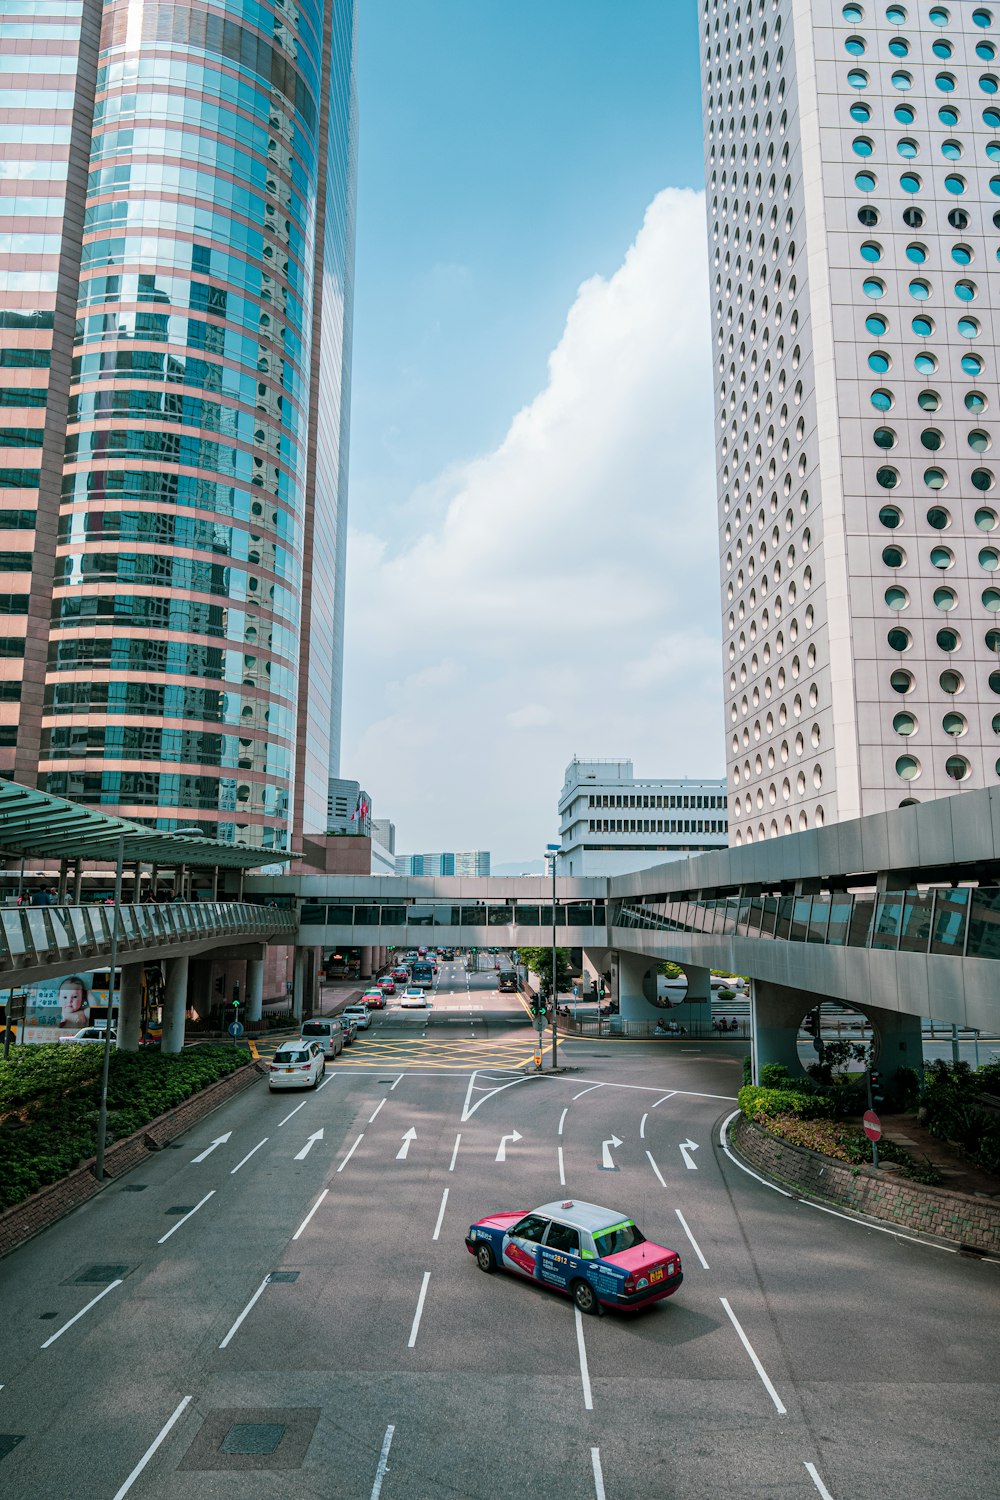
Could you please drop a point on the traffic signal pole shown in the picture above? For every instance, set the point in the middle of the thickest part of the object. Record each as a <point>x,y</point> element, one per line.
<point>554,987</point>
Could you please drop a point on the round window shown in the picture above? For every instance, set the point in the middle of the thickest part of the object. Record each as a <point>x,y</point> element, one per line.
<point>939,15</point>
<point>945,598</point>
<point>876,324</point>
<point>856,46</point>
<point>932,439</point>
<point>992,639</point>
<point>901,681</point>
<point>961,254</point>
<point>935,479</point>
<point>905,114</point>
<point>910,182</point>
<point>862,145</point>
<point>866,181</point>
<point>938,517</point>
<point>922,325</point>
<point>951,150</point>
<point>894,557</point>
<point>899,46</point>
<point>948,115</point>
<point>913,217</point>
<point>957,767</point>
<point>902,80</point>
<point>955,183</point>
<point>966,291</point>
<point>860,111</point>
<point>945,82</point>
<point>871,251</point>
<point>888,478</point>
<point>881,363</point>
<point>858,78</point>
<point>991,599</point>
<point>948,640</point>
<point>884,437</point>
<point>899,639</point>
<point>881,400</point>
<point>991,117</point>
<point>905,723</point>
<point>989,83</point>
<point>928,400</point>
<point>978,440</point>
<point>908,767</point>
<point>954,724</point>
<point>872,286</point>
<point>986,519</point>
<point>989,558</point>
<point>951,681</point>
<point>942,48</point>
<point>917,253</point>
<point>897,598</point>
<point>968,327</point>
<point>942,557</point>
<point>972,364</point>
<point>908,148</point>
<point>890,517</point>
<point>983,17</point>
<point>975,402</point>
<point>982,479</point>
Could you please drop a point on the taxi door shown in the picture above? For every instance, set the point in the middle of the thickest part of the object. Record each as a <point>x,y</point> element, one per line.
<point>522,1245</point>
<point>561,1262</point>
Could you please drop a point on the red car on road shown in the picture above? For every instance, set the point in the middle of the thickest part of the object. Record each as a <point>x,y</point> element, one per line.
<point>374,999</point>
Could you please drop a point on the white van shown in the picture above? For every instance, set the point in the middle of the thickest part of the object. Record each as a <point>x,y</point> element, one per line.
<point>326,1032</point>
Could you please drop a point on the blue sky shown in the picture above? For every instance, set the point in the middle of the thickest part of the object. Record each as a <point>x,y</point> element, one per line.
<point>508,155</point>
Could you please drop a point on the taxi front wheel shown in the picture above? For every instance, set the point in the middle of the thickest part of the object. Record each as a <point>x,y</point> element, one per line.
<point>485,1259</point>
<point>584,1296</point>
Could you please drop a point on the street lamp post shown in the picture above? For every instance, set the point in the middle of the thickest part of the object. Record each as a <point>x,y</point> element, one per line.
<point>102,1114</point>
<point>552,850</point>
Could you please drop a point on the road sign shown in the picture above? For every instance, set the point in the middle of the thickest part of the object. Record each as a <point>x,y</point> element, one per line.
<point>236,1028</point>
<point>872,1125</point>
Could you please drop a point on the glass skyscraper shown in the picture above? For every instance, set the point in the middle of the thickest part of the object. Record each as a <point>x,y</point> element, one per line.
<point>175,307</point>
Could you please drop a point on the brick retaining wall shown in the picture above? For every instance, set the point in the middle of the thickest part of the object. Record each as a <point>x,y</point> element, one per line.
<point>25,1220</point>
<point>958,1217</point>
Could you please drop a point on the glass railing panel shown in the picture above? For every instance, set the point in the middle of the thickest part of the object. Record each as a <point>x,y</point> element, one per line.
<point>78,922</point>
<point>527,916</point>
<point>420,916</point>
<point>799,926</point>
<point>754,916</point>
<point>951,912</point>
<point>743,916</point>
<point>783,923</point>
<point>37,934</point>
<point>888,920</point>
<point>917,910</point>
<point>502,916</point>
<point>581,914</point>
<point>61,925</point>
<point>819,919</point>
<point>371,916</point>
<point>984,923</point>
<point>862,912</point>
<point>840,920</point>
<point>15,933</point>
<point>769,916</point>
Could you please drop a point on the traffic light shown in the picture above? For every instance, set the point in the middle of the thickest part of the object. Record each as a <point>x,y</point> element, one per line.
<point>537,1005</point>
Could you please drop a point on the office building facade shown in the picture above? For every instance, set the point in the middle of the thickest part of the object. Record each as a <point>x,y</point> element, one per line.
<point>611,821</point>
<point>852,193</point>
<point>177,209</point>
<point>447,862</point>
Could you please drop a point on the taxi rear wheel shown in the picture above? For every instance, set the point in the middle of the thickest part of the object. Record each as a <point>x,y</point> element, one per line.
<point>584,1296</point>
<point>485,1259</point>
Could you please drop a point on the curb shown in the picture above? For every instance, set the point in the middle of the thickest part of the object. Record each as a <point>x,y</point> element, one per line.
<point>23,1221</point>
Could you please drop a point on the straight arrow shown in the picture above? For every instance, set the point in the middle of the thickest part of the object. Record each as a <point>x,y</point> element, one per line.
<point>404,1149</point>
<point>606,1161</point>
<point>219,1141</point>
<point>502,1148</point>
<point>686,1148</point>
<point>317,1135</point>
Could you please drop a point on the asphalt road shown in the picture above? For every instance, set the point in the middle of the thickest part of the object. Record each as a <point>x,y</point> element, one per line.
<point>804,1354</point>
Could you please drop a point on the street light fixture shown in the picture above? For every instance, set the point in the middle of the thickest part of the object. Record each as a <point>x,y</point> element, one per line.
<point>551,851</point>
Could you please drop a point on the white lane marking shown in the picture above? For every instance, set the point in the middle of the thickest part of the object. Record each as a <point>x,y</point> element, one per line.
<point>685,1149</point>
<point>694,1243</point>
<point>383,1462</point>
<point>593,1086</point>
<point>174,1228</point>
<point>513,1136</point>
<point>294,1112</point>
<point>642,1126</point>
<point>350,1153</point>
<point>248,1156</point>
<point>60,1331</point>
<point>588,1399</point>
<point>144,1460</point>
<point>327,1080</point>
<point>656,1169</point>
<point>309,1215</point>
<point>419,1312</point>
<point>562,1169</point>
<point>252,1303</point>
<point>454,1154</point>
<point>440,1217</point>
<point>398,1080</point>
<point>467,1111</point>
<point>595,1464</point>
<point>778,1403</point>
<point>607,1162</point>
<point>824,1492</point>
<point>219,1141</point>
<point>404,1149</point>
<point>735,1160</point>
<point>664,1098</point>
<point>377,1108</point>
<point>562,1119</point>
<point>317,1135</point>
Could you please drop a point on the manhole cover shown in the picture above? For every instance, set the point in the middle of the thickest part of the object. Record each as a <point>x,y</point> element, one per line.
<point>284,1276</point>
<point>101,1275</point>
<point>253,1437</point>
<point>9,1441</point>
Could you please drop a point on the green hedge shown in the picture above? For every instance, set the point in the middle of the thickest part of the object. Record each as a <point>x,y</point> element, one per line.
<point>806,1120</point>
<point>765,1104</point>
<point>49,1098</point>
<point>951,1102</point>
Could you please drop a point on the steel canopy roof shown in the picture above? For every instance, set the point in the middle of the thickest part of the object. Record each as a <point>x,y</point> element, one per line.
<point>38,825</point>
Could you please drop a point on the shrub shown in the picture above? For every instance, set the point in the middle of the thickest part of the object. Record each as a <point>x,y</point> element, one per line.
<point>762,1104</point>
<point>747,1070</point>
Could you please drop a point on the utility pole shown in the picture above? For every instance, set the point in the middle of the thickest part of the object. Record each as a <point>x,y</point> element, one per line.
<point>553,850</point>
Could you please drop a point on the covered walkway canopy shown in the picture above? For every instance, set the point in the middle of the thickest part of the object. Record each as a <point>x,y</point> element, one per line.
<point>36,825</point>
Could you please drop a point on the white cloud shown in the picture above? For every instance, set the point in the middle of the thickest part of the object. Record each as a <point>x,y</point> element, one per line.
<point>565,599</point>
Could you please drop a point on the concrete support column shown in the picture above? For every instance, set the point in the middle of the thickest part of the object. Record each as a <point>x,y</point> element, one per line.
<point>776,1014</point>
<point>255,989</point>
<point>699,990</point>
<point>633,978</point>
<point>63,872</point>
<point>130,1008</point>
<point>299,984</point>
<point>899,1042</point>
<point>175,1004</point>
<point>77,882</point>
<point>366,963</point>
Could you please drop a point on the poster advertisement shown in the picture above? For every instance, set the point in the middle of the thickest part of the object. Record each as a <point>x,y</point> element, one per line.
<point>58,1008</point>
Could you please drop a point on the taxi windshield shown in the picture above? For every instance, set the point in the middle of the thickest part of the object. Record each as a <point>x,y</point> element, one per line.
<point>618,1237</point>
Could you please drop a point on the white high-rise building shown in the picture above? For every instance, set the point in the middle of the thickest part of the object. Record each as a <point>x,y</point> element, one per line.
<point>612,821</point>
<point>853,172</point>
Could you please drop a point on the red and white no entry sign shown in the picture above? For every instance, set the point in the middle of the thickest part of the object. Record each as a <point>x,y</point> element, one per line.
<point>872,1125</point>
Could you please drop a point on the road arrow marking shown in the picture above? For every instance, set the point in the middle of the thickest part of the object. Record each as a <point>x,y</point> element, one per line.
<point>685,1149</point>
<point>606,1162</point>
<point>502,1148</point>
<point>317,1135</point>
<point>219,1141</point>
<point>404,1149</point>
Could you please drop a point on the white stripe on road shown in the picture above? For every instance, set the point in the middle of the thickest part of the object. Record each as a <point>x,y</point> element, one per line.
<point>325,1082</point>
<point>454,1154</point>
<point>383,1462</point>
<point>580,1095</point>
<point>655,1168</point>
<point>642,1126</point>
<point>174,1228</point>
<point>377,1108</point>
<point>562,1119</point>
<point>398,1080</point>
<point>595,1463</point>
<point>694,1243</point>
<point>247,1157</point>
<point>294,1112</point>
<point>60,1331</point>
<point>253,1300</point>
<point>350,1153</point>
<point>824,1492</point>
<point>144,1460</point>
<point>779,1404</point>
<point>419,1312</point>
<point>666,1097</point>
<point>309,1215</point>
<point>562,1169</point>
<point>588,1399</point>
<point>440,1218</point>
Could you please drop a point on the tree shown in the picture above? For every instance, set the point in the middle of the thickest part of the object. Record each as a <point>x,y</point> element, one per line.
<point>669,969</point>
<point>539,961</point>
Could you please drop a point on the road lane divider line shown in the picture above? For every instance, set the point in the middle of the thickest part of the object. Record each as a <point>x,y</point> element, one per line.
<point>562,1120</point>
<point>656,1169</point>
<point>246,1158</point>
<point>250,1305</point>
<point>694,1243</point>
<point>589,1090</point>
<point>595,1464</point>
<point>454,1154</point>
<point>642,1126</point>
<point>76,1318</point>
<point>294,1112</point>
<point>383,1462</point>
<point>588,1399</point>
<point>350,1153</point>
<point>174,1227</point>
<point>419,1312</point>
<point>326,1080</point>
<point>562,1169</point>
<point>779,1405</point>
<point>814,1476</point>
<point>440,1217</point>
<point>171,1421</point>
<point>377,1108</point>
<point>664,1098</point>
<point>398,1080</point>
<point>309,1215</point>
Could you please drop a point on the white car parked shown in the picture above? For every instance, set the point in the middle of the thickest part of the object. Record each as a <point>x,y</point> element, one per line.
<point>296,1065</point>
<point>90,1034</point>
<point>414,1000</point>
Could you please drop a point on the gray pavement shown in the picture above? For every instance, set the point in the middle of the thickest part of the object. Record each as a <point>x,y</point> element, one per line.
<point>873,1358</point>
